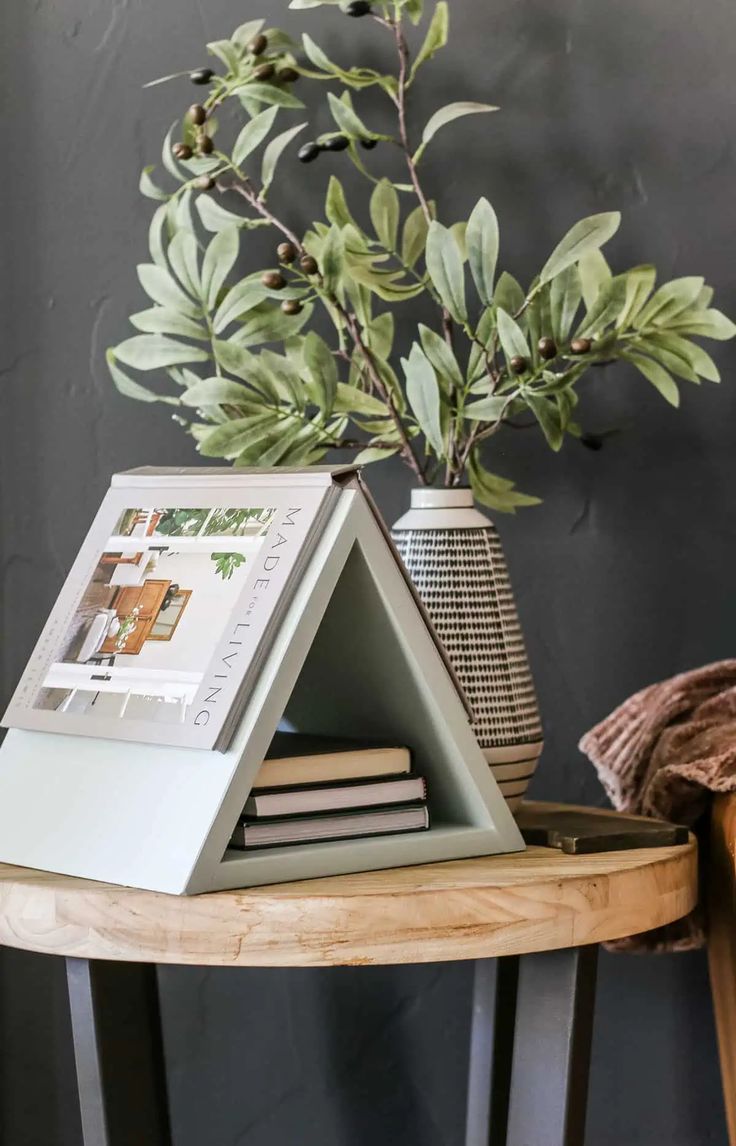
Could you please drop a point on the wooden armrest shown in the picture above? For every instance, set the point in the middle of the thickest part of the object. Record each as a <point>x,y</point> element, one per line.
<point>721,890</point>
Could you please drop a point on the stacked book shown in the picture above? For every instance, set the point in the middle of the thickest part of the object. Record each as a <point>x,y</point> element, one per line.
<point>312,789</point>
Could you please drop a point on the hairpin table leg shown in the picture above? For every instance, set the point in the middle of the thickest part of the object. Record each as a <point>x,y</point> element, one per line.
<point>554,1028</point>
<point>491,1047</point>
<point>119,1053</point>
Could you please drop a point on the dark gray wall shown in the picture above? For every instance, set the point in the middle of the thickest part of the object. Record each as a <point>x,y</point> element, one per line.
<point>623,576</point>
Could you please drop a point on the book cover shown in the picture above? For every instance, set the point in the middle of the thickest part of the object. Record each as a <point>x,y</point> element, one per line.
<point>160,626</point>
<point>343,825</point>
<point>310,799</point>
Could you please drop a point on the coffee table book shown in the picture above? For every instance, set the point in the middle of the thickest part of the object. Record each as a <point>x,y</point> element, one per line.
<point>350,653</point>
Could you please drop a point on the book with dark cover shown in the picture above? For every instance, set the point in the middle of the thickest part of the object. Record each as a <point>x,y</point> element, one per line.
<point>340,826</point>
<point>312,799</point>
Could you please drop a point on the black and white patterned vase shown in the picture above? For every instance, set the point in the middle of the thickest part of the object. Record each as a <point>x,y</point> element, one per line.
<point>454,556</point>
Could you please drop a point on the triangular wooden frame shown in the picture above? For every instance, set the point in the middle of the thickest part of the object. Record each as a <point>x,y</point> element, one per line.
<point>353,656</point>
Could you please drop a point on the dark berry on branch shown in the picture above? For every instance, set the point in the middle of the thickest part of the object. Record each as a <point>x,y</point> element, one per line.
<point>286,252</point>
<point>182,151</point>
<point>357,8</point>
<point>518,364</point>
<point>591,441</point>
<point>309,265</point>
<point>204,183</point>
<point>288,75</point>
<point>258,45</point>
<point>201,75</point>
<point>291,306</point>
<point>274,280</point>
<point>547,348</point>
<point>264,72</point>
<point>196,114</point>
<point>337,143</point>
<point>308,152</point>
<point>368,144</point>
<point>204,145</point>
<point>580,345</point>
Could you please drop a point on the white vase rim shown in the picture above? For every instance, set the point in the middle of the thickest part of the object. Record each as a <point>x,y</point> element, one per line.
<point>423,497</point>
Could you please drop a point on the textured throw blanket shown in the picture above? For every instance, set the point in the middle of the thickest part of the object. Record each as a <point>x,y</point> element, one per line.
<point>662,753</point>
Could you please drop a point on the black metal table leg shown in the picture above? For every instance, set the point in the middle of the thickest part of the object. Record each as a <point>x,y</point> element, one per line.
<point>554,1028</point>
<point>491,1047</point>
<point>119,1053</point>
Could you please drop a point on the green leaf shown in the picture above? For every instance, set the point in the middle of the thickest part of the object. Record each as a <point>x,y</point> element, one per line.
<point>218,261</point>
<point>447,114</point>
<point>163,289</point>
<point>147,187</point>
<point>162,320</point>
<point>268,94</point>
<point>586,235</point>
<point>423,395</point>
<point>346,119</point>
<point>435,39</point>
<point>184,261</point>
<point>245,33</point>
<point>669,301</point>
<point>699,359</point>
<point>511,336</point>
<point>564,300</point>
<point>268,323</point>
<point>218,392</point>
<point>129,387</point>
<point>226,52</point>
<point>442,358</point>
<point>152,351</point>
<point>157,236</point>
<point>230,439</point>
<point>333,256</point>
<point>414,10</point>
<point>655,374</point>
<point>254,132</point>
<point>481,238</point>
<point>320,363</point>
<point>374,454</point>
<point>548,416</point>
<point>458,231</point>
<point>384,209</point>
<point>351,400</point>
<point>273,153</point>
<point>706,324</point>
<point>240,299</point>
<point>414,237</point>
<point>496,492</point>
<point>166,156</point>
<point>336,207</point>
<point>379,334</point>
<point>214,217</point>
<point>639,285</point>
<point>594,273</point>
<point>508,293</point>
<point>446,270</point>
<point>488,409</point>
<point>606,307</point>
<point>668,354</point>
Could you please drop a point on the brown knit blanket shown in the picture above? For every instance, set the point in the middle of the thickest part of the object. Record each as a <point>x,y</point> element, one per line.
<point>661,754</point>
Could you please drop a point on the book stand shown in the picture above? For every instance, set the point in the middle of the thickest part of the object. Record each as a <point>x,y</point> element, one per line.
<point>353,657</point>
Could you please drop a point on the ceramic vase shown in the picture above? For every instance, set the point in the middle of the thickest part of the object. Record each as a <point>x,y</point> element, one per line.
<point>454,556</point>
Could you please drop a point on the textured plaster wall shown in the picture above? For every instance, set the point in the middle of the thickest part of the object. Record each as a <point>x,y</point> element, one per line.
<point>624,574</point>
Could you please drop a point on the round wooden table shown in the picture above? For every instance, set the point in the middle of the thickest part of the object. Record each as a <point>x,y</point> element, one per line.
<point>530,921</point>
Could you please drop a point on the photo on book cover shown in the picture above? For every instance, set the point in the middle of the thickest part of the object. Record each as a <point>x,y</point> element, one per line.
<point>163,613</point>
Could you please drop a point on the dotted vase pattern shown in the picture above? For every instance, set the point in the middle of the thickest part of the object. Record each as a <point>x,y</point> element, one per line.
<point>462,578</point>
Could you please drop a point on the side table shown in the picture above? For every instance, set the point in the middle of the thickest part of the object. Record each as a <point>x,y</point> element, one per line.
<point>530,921</point>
